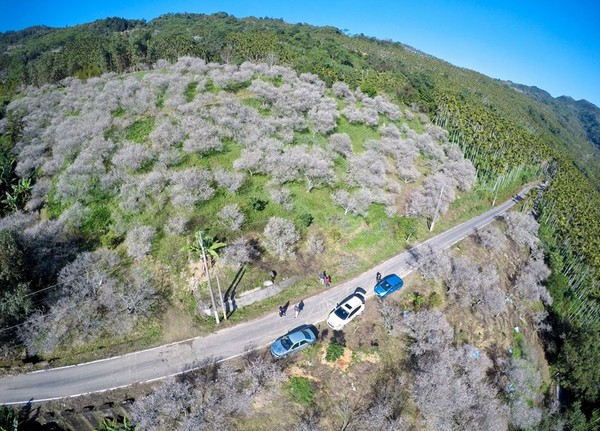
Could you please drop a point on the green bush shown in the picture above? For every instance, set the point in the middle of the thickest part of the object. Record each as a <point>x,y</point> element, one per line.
<point>301,390</point>
<point>435,300</point>
<point>418,301</point>
<point>518,347</point>
<point>335,350</point>
<point>307,219</point>
<point>258,204</point>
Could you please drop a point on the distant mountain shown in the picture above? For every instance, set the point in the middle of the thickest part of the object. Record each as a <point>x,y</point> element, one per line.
<point>579,124</point>
<point>589,115</point>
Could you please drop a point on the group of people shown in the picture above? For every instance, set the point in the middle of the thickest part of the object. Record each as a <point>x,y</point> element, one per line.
<point>297,308</point>
<point>325,279</point>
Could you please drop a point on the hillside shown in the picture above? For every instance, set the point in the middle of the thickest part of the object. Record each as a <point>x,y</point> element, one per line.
<point>291,148</point>
<point>40,54</point>
<point>579,122</point>
<point>257,157</point>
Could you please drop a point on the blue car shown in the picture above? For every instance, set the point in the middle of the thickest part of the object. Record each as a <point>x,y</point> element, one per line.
<point>388,284</point>
<point>297,339</point>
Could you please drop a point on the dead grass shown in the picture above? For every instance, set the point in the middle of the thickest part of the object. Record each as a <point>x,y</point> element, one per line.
<point>177,325</point>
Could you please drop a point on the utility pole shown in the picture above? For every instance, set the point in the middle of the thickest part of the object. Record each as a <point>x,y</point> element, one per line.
<point>221,296</point>
<point>210,289</point>
<point>437,208</point>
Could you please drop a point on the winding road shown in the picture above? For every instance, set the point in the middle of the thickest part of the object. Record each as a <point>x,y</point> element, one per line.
<point>160,362</point>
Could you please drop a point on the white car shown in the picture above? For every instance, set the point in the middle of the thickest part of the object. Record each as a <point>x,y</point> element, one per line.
<point>347,309</point>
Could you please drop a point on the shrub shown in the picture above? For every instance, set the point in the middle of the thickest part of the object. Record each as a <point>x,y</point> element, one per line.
<point>335,350</point>
<point>307,219</point>
<point>282,196</point>
<point>418,301</point>
<point>131,156</point>
<point>435,300</point>
<point>315,244</point>
<point>190,186</point>
<point>231,181</point>
<point>301,390</point>
<point>258,204</point>
<point>239,252</point>
<point>175,225</point>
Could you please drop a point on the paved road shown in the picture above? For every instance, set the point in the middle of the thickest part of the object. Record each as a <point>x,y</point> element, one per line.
<point>159,362</point>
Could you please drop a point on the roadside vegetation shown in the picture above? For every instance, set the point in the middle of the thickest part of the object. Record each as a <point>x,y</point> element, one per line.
<point>468,354</point>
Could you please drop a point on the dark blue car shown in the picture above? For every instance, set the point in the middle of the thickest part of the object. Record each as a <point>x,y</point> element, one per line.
<point>388,284</point>
<point>297,339</point>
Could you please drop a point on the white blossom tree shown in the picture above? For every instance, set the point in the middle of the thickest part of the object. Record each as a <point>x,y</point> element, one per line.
<point>281,237</point>
<point>231,216</point>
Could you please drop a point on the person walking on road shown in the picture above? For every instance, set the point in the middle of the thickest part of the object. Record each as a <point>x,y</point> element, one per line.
<point>298,308</point>
<point>378,277</point>
<point>283,309</point>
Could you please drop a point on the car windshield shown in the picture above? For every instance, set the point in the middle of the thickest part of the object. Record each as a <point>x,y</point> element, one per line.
<point>386,285</point>
<point>286,343</point>
<point>341,313</point>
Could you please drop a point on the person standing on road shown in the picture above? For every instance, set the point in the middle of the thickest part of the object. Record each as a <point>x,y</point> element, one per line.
<point>378,277</point>
<point>298,308</point>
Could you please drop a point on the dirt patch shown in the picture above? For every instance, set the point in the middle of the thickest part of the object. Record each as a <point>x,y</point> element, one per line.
<point>177,325</point>
<point>296,371</point>
<point>372,358</point>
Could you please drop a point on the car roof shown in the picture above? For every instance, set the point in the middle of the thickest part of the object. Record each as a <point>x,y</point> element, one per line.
<point>351,302</point>
<point>392,279</point>
<point>298,335</point>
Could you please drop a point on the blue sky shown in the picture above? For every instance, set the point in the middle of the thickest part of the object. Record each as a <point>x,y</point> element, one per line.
<point>554,45</point>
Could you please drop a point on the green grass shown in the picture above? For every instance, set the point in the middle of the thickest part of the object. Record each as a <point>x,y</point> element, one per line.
<point>334,351</point>
<point>98,220</point>
<point>256,104</point>
<point>190,91</point>
<point>223,159</point>
<point>139,131</point>
<point>301,390</point>
<point>160,99</point>
<point>435,300</point>
<point>146,334</point>
<point>359,133</point>
<point>119,112</point>
<point>517,345</point>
